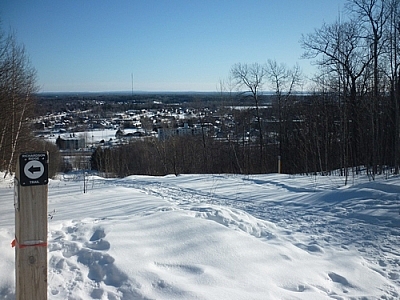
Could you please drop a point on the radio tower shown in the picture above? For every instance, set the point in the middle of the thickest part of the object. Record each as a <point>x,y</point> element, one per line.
<point>132,84</point>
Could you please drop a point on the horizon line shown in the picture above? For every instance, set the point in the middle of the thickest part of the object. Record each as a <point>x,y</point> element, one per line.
<point>165,92</point>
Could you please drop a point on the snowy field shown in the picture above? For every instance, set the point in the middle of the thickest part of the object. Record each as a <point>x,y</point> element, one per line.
<point>91,137</point>
<point>216,237</point>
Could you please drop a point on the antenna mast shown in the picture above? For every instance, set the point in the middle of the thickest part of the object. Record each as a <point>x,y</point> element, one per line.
<point>132,84</point>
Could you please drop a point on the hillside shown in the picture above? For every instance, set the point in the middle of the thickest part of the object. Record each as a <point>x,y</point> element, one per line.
<point>216,237</point>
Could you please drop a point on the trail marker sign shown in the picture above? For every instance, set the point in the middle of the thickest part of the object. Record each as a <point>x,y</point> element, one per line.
<point>33,169</point>
<point>30,200</point>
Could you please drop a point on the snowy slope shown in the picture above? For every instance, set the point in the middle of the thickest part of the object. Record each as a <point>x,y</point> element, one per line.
<point>216,237</point>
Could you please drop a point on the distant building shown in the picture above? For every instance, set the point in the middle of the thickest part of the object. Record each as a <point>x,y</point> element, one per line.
<point>165,133</point>
<point>120,134</point>
<point>70,143</point>
<point>185,130</point>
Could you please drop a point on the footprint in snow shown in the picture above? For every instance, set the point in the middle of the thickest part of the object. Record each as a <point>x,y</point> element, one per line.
<point>106,278</point>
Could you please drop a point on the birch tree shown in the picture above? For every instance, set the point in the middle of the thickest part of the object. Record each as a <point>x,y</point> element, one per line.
<point>17,87</point>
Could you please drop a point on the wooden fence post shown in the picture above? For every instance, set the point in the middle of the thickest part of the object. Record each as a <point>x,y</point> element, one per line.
<point>30,201</point>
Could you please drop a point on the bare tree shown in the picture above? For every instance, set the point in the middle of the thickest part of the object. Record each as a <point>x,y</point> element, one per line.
<point>341,52</point>
<point>251,77</point>
<point>283,81</point>
<point>17,86</point>
<point>372,16</point>
<point>392,32</point>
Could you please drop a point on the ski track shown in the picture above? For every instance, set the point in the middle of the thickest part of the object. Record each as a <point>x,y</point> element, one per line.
<point>339,222</point>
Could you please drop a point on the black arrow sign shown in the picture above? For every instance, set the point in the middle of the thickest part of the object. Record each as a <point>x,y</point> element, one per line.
<point>33,169</point>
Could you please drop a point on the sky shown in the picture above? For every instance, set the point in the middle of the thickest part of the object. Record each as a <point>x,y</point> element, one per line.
<point>175,45</point>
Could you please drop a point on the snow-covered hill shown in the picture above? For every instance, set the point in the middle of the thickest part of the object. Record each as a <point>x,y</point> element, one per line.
<point>216,237</point>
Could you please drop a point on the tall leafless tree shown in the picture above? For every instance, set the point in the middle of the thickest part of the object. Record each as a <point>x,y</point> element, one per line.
<point>340,50</point>
<point>251,77</point>
<point>372,16</point>
<point>393,59</point>
<point>283,81</point>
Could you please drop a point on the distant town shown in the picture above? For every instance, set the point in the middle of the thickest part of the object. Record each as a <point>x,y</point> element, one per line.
<point>85,121</point>
<point>81,123</point>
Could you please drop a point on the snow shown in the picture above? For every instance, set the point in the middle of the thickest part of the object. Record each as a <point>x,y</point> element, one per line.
<point>216,237</point>
<point>91,137</point>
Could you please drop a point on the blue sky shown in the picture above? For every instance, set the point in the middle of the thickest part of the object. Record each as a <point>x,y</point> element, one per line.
<point>169,45</point>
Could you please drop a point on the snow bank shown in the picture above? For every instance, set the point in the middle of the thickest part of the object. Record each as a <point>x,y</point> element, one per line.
<point>216,237</point>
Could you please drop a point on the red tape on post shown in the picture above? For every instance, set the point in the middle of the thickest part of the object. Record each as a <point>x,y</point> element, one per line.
<point>39,243</point>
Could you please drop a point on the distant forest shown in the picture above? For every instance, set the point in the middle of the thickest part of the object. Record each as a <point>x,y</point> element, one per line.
<point>123,101</point>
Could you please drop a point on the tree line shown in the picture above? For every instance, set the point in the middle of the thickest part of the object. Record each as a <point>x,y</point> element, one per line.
<point>176,155</point>
<point>17,102</point>
<point>358,60</point>
<point>353,114</point>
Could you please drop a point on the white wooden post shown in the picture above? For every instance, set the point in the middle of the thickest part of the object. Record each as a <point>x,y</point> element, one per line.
<point>30,200</point>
